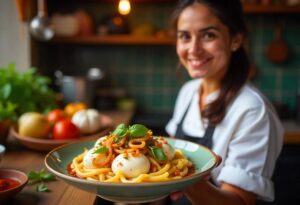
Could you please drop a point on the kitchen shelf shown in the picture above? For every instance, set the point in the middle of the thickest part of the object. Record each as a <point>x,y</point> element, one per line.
<point>165,40</point>
<point>115,40</point>
<point>271,9</point>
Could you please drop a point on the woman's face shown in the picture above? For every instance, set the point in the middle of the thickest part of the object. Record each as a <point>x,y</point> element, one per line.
<point>204,45</point>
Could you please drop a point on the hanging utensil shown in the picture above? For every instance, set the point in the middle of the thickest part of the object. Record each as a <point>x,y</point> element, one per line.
<point>41,27</point>
<point>22,9</point>
<point>277,51</point>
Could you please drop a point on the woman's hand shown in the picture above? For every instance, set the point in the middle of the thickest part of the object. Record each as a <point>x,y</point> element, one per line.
<point>209,194</point>
<point>178,194</point>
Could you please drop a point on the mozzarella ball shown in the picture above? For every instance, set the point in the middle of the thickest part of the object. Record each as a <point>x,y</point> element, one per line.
<point>100,141</point>
<point>131,166</point>
<point>167,149</point>
<point>92,160</point>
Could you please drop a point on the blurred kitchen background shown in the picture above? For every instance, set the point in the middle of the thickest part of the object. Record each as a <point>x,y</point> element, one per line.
<point>136,57</point>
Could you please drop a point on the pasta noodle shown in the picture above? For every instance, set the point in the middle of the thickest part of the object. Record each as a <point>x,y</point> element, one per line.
<point>131,156</point>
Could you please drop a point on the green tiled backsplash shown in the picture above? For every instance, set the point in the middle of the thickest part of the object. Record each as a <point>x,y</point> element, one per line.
<point>279,82</point>
<point>148,72</point>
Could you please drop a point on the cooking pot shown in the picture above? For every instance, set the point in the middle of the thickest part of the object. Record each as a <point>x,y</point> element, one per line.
<point>80,88</point>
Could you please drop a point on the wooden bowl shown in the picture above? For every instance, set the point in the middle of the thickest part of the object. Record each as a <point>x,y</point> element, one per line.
<point>48,144</point>
<point>15,175</point>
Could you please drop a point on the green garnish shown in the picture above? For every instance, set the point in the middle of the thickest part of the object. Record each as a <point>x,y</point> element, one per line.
<point>120,131</point>
<point>101,150</point>
<point>138,130</point>
<point>40,177</point>
<point>117,140</point>
<point>42,188</point>
<point>158,153</point>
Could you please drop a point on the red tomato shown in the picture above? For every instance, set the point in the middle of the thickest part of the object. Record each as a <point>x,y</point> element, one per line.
<point>55,115</point>
<point>65,129</point>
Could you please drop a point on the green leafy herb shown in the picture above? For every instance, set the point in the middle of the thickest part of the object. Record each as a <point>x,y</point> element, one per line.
<point>117,140</point>
<point>8,111</point>
<point>158,153</point>
<point>101,150</point>
<point>40,177</point>
<point>120,131</point>
<point>42,188</point>
<point>137,130</point>
<point>22,92</point>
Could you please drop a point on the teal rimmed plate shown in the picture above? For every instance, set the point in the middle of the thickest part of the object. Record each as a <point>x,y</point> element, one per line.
<point>204,160</point>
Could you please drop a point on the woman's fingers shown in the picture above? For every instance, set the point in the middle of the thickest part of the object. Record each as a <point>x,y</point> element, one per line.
<point>206,177</point>
<point>176,195</point>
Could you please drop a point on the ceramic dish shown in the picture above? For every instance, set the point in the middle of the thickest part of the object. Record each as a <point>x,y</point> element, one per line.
<point>49,144</point>
<point>15,175</point>
<point>204,160</point>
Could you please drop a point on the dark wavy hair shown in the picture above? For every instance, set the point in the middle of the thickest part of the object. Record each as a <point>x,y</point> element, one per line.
<point>230,13</point>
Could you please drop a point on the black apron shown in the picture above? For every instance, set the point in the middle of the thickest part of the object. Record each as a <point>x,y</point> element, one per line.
<point>206,140</point>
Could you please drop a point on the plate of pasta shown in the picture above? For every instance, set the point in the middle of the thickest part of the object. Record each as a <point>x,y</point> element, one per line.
<point>131,164</point>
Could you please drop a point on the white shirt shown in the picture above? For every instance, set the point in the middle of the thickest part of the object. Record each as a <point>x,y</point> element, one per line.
<point>249,139</point>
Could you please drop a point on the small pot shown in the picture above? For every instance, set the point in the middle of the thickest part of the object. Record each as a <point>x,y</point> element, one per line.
<point>80,88</point>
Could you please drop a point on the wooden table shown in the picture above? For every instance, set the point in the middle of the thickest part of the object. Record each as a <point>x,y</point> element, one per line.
<point>26,160</point>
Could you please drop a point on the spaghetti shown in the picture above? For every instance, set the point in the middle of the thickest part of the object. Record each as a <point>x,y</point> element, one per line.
<point>131,155</point>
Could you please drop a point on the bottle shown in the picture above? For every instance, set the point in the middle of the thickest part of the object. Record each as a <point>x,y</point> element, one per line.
<point>298,106</point>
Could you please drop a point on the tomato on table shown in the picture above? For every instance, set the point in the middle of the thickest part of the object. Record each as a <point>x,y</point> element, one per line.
<point>65,129</point>
<point>71,108</point>
<point>55,115</point>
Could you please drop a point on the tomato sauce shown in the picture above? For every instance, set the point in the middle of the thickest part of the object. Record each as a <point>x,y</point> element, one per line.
<point>7,183</point>
<point>70,171</point>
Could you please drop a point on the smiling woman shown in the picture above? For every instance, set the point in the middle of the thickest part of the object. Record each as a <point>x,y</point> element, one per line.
<point>220,109</point>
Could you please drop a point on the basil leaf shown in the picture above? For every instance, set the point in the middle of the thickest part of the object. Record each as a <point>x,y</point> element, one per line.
<point>42,188</point>
<point>40,177</point>
<point>33,175</point>
<point>101,150</point>
<point>120,131</point>
<point>158,153</point>
<point>47,177</point>
<point>138,130</point>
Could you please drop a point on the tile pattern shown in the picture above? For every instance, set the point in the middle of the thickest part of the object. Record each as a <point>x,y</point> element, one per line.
<point>148,72</point>
<point>279,82</point>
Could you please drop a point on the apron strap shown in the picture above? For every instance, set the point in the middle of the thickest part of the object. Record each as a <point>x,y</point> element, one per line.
<point>206,140</point>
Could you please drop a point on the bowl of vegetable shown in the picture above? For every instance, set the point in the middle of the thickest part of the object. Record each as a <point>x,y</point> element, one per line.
<point>48,143</point>
<point>44,132</point>
<point>135,175</point>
